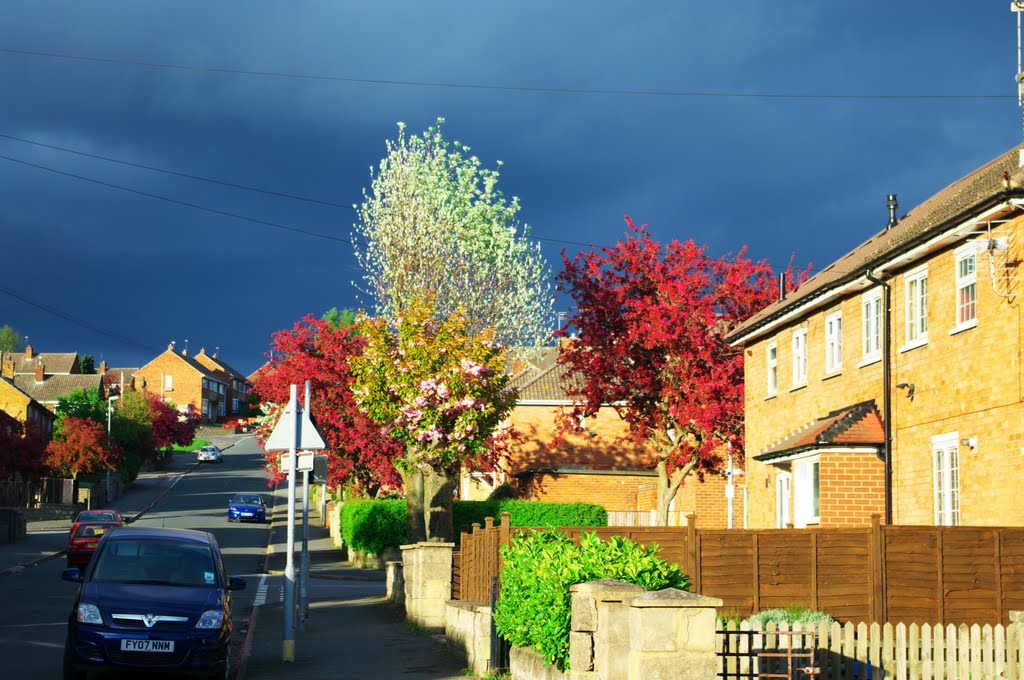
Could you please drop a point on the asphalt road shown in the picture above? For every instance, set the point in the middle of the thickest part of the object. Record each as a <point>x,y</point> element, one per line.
<point>36,602</point>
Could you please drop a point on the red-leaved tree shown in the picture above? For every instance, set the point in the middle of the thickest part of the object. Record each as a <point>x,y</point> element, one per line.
<point>651,321</point>
<point>319,351</point>
<point>82,446</point>
<point>171,426</point>
<point>22,449</point>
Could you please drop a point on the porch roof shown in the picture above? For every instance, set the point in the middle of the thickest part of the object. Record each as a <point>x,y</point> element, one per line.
<point>856,425</point>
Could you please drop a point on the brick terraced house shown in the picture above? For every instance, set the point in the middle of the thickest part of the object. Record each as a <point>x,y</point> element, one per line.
<point>239,386</point>
<point>891,382</point>
<point>176,378</point>
<point>595,466</point>
<point>45,377</point>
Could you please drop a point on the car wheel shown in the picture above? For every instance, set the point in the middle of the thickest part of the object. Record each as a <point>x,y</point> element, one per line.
<point>223,671</point>
<point>70,672</point>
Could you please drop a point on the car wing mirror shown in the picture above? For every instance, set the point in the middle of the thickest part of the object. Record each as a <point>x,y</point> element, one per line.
<point>234,583</point>
<point>129,520</point>
<point>74,575</point>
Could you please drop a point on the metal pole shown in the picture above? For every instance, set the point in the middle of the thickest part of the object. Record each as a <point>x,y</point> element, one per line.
<point>288,642</point>
<point>730,492</point>
<point>304,576</point>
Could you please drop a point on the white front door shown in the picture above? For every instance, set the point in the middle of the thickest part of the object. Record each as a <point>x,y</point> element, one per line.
<point>783,483</point>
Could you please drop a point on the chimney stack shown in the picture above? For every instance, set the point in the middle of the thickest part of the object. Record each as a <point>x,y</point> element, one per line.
<point>28,351</point>
<point>103,367</point>
<point>39,372</point>
<point>893,206</point>
<point>782,286</point>
<point>7,370</point>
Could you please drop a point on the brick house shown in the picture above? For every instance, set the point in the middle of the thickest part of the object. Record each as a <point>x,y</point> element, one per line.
<point>23,408</point>
<point>46,377</point>
<point>595,466</point>
<point>906,351</point>
<point>239,385</point>
<point>177,378</point>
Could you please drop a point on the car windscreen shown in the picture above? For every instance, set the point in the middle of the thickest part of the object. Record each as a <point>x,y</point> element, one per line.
<point>247,500</point>
<point>156,562</point>
<point>92,530</point>
<point>96,517</point>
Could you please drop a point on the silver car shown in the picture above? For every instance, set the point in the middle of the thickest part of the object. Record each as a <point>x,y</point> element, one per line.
<point>209,454</point>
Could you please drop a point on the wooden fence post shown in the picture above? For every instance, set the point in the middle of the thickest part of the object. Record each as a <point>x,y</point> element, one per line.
<point>476,588</point>
<point>693,565</point>
<point>504,529</point>
<point>756,569</point>
<point>875,549</point>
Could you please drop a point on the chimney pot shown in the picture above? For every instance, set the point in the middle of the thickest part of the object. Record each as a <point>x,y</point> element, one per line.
<point>782,286</point>
<point>893,206</point>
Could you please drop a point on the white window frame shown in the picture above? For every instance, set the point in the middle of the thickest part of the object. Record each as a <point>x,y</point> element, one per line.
<point>966,282</point>
<point>783,494</point>
<point>168,382</point>
<point>206,407</point>
<point>834,342</point>
<point>221,408</point>
<point>206,383</point>
<point>871,326</point>
<point>946,478</point>
<point>806,480</point>
<point>799,357</point>
<point>915,283</point>
<point>772,360</point>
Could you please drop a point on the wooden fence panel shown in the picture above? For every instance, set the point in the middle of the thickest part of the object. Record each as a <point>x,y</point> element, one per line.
<point>784,568</point>
<point>727,569</point>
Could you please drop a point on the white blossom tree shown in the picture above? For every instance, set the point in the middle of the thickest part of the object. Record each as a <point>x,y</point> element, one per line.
<point>434,226</point>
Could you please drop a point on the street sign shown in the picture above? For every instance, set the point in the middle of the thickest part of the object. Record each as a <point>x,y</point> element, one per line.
<point>305,462</point>
<point>282,439</point>
<point>320,469</point>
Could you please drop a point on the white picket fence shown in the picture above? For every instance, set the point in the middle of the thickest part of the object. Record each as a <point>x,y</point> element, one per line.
<point>860,652</point>
<point>644,518</point>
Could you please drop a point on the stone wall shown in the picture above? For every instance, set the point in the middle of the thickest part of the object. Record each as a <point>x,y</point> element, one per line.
<point>427,570</point>
<point>468,629</point>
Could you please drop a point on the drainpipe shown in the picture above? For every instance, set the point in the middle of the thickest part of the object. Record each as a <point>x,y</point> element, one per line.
<point>887,399</point>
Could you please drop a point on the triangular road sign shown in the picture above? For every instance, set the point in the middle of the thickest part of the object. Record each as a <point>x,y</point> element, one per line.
<point>282,438</point>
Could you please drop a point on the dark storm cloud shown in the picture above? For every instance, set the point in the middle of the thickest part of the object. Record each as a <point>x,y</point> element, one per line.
<point>783,176</point>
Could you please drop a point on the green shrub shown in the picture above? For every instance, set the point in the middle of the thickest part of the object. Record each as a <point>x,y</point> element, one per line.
<point>372,526</point>
<point>502,492</point>
<point>535,605</point>
<point>794,614</point>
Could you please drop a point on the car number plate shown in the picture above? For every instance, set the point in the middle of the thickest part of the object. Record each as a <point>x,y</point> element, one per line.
<point>147,645</point>
<point>91,544</point>
<point>246,514</point>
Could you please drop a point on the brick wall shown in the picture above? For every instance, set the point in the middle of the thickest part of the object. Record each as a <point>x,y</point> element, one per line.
<point>852,488</point>
<point>613,492</point>
<point>969,382</point>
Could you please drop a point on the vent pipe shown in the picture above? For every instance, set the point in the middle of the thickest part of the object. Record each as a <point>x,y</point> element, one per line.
<point>893,206</point>
<point>782,286</point>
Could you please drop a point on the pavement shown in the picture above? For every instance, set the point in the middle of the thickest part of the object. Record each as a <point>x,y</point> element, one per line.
<point>48,539</point>
<point>352,631</point>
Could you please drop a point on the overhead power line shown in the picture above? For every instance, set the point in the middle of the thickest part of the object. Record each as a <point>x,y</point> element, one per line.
<point>80,322</point>
<point>508,88</point>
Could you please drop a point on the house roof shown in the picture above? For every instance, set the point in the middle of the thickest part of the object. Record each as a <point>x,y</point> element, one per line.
<point>854,425</point>
<point>224,366</point>
<point>55,386</point>
<point>10,384</point>
<point>543,378</point>
<point>988,185</point>
<point>53,362</point>
<point>191,363</point>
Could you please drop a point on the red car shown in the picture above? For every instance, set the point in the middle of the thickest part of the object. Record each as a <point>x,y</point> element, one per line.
<point>84,538</point>
<point>98,516</point>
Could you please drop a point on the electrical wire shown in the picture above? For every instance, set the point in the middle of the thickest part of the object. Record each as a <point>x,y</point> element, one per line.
<point>503,88</point>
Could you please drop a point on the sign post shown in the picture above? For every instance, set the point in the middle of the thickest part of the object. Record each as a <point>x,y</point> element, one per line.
<point>294,431</point>
<point>304,563</point>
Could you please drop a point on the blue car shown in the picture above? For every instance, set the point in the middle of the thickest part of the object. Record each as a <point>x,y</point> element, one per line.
<point>152,599</point>
<point>247,507</point>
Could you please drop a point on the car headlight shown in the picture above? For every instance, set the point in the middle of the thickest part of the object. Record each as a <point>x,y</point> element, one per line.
<point>89,613</point>
<point>212,618</point>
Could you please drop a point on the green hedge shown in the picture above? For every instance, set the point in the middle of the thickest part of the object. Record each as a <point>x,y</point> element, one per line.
<point>372,525</point>
<point>539,568</point>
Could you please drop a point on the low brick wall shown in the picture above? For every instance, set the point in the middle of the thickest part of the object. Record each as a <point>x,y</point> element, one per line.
<point>526,664</point>
<point>427,568</point>
<point>468,629</point>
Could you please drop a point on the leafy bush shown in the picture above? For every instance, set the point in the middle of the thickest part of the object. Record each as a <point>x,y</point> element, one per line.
<point>535,605</point>
<point>793,614</point>
<point>372,525</point>
<point>502,492</point>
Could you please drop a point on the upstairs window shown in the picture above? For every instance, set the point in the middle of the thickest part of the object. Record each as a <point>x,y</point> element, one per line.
<point>773,368</point>
<point>834,342</point>
<point>966,286</point>
<point>917,306</point>
<point>168,382</point>
<point>871,307</point>
<point>800,357</point>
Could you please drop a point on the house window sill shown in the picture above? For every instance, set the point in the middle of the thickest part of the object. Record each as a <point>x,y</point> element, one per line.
<point>798,387</point>
<point>833,374</point>
<point>868,361</point>
<point>921,342</point>
<point>964,327</point>
<point>771,396</point>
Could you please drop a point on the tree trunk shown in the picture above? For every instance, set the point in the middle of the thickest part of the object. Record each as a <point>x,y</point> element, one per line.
<point>668,485</point>
<point>415,526</point>
<point>438,491</point>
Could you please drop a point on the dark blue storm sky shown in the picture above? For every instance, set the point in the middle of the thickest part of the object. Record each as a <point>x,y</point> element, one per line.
<point>95,269</point>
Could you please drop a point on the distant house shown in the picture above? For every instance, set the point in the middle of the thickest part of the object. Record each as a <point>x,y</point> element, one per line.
<point>177,378</point>
<point>891,381</point>
<point>238,384</point>
<point>597,465</point>
<point>23,408</point>
<point>118,380</point>
<point>46,377</point>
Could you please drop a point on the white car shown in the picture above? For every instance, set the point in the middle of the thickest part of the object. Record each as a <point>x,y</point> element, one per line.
<point>209,454</point>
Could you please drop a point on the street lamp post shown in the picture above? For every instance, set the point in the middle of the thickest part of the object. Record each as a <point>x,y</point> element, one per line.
<point>110,411</point>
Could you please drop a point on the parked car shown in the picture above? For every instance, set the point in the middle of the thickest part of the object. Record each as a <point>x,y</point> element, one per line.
<point>152,599</point>
<point>101,516</point>
<point>83,540</point>
<point>209,454</point>
<point>247,507</point>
